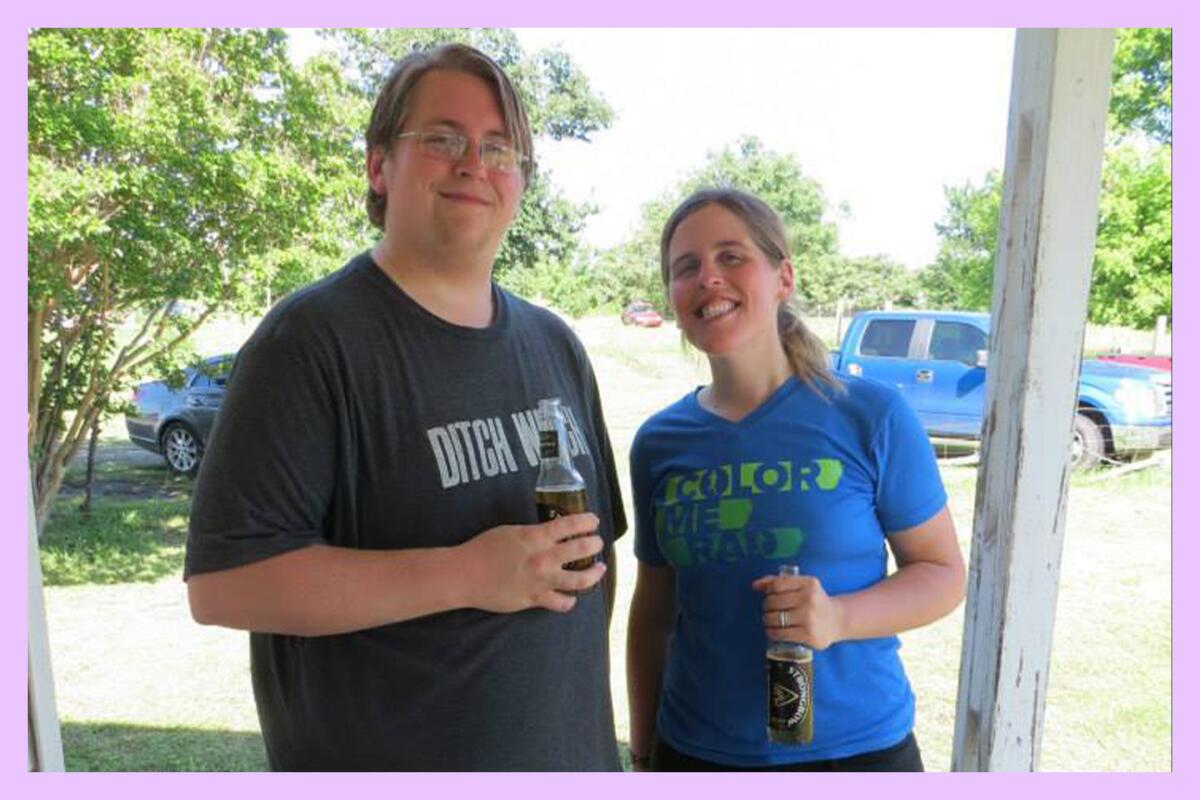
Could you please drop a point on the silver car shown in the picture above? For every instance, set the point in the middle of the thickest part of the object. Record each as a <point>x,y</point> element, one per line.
<point>175,423</point>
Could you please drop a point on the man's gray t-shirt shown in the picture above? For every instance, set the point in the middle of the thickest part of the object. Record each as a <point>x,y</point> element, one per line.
<point>356,418</point>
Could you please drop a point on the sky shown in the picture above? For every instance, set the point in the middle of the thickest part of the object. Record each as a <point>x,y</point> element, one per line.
<point>882,119</point>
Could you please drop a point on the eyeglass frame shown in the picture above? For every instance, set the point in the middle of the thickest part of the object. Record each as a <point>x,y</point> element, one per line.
<point>498,146</point>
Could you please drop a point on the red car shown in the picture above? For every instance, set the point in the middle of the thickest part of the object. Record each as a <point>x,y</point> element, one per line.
<point>642,314</point>
<point>1153,362</point>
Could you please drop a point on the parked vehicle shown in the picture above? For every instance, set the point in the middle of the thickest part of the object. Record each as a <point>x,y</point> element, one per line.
<point>641,314</point>
<point>1153,362</point>
<point>175,422</point>
<point>938,360</point>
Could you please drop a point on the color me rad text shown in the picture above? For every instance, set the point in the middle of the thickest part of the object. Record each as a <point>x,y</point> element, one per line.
<point>707,516</point>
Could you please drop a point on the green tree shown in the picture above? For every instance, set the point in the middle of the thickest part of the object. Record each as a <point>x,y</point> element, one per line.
<point>167,164</point>
<point>1131,274</point>
<point>632,268</point>
<point>1141,83</point>
<point>560,104</point>
<point>1131,278</point>
<point>863,282</point>
<point>961,274</point>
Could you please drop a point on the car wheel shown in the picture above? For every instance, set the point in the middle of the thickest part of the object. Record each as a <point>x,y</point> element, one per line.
<point>1087,443</point>
<point>181,449</point>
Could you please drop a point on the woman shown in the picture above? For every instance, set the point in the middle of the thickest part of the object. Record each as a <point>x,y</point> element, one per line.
<point>775,462</point>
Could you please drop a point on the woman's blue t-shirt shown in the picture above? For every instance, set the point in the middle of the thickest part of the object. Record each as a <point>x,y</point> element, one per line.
<point>812,479</point>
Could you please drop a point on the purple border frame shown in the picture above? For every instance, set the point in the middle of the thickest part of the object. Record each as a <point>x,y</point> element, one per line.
<point>558,13</point>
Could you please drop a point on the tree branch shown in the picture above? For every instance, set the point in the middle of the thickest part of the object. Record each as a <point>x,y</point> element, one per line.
<point>170,345</point>
<point>37,317</point>
<point>65,341</point>
<point>140,335</point>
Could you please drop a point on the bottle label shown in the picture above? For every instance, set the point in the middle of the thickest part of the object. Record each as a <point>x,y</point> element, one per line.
<point>789,700</point>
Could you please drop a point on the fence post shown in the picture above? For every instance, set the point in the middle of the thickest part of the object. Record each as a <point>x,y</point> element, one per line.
<point>1160,335</point>
<point>837,320</point>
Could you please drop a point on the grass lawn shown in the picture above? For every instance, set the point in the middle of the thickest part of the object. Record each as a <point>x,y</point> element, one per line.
<point>118,747</point>
<point>140,686</point>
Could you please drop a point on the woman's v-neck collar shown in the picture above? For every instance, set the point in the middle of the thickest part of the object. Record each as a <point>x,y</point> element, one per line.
<point>763,411</point>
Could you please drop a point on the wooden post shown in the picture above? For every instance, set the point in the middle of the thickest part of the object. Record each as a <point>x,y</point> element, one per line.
<point>45,739</point>
<point>1043,269</point>
<point>837,321</point>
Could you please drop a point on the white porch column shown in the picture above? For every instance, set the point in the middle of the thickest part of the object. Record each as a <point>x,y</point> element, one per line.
<point>45,739</point>
<point>1047,233</point>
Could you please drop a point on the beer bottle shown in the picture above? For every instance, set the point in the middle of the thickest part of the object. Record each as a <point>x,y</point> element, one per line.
<point>560,488</point>
<point>789,687</point>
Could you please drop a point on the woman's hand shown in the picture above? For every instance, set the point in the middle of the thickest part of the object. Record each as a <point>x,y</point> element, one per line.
<point>796,609</point>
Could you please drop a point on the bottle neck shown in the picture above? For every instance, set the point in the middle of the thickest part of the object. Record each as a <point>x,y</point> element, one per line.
<point>556,468</point>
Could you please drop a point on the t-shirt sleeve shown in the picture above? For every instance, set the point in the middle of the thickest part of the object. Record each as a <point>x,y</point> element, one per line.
<point>268,471</point>
<point>909,488</point>
<point>645,540</point>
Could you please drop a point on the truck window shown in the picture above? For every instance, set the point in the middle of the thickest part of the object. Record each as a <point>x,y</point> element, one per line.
<point>956,341</point>
<point>888,338</point>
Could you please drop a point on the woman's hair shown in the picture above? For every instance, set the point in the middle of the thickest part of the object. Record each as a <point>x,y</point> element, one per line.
<point>806,354</point>
<point>392,105</point>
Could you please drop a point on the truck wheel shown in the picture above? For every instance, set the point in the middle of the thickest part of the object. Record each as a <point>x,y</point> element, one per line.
<point>1087,443</point>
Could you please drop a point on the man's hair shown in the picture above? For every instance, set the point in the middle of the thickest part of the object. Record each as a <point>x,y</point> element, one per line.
<point>395,98</point>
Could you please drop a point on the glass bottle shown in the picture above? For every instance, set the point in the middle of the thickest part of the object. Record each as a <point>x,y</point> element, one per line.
<point>560,488</point>
<point>789,687</point>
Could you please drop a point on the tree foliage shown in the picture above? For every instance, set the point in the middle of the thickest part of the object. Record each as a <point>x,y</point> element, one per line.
<point>167,164</point>
<point>864,282</point>
<point>961,275</point>
<point>1141,83</point>
<point>1131,273</point>
<point>1131,276</point>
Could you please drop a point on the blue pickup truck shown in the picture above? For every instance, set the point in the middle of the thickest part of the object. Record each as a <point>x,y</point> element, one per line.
<point>938,360</point>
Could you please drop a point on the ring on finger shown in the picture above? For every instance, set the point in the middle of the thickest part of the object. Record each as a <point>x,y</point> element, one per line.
<point>783,620</point>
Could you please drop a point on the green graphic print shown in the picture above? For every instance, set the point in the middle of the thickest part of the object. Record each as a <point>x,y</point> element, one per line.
<point>706,516</point>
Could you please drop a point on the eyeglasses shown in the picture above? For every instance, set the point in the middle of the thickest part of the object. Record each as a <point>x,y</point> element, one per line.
<point>452,146</point>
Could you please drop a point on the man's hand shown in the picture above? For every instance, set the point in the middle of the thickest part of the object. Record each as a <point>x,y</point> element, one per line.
<point>514,567</point>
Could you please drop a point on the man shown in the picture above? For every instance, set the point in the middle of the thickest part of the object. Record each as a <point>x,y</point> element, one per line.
<point>366,506</point>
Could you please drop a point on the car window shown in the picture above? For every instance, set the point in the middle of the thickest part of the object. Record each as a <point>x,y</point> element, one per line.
<point>212,375</point>
<point>956,341</point>
<point>887,337</point>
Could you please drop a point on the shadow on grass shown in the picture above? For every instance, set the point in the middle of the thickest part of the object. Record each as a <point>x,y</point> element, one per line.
<point>118,747</point>
<point>143,476</point>
<point>121,541</point>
